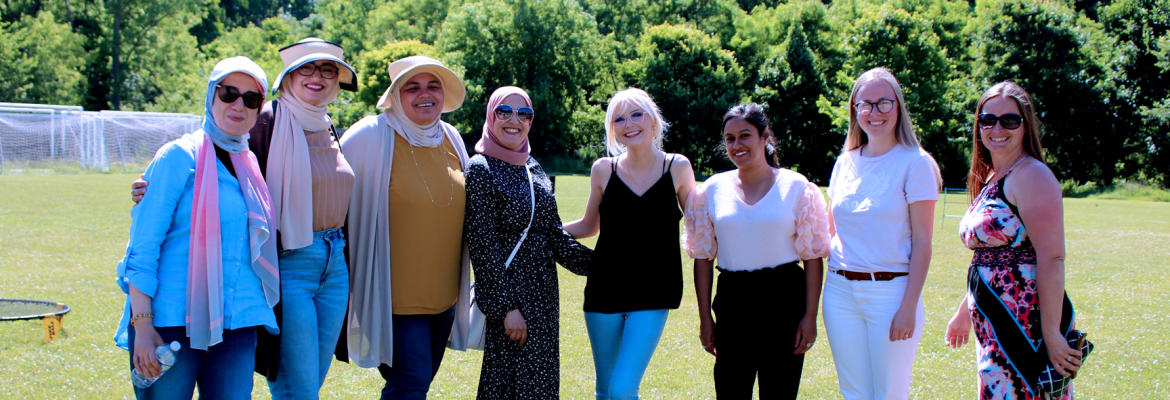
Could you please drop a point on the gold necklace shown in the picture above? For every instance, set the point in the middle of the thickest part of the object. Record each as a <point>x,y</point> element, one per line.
<point>424,179</point>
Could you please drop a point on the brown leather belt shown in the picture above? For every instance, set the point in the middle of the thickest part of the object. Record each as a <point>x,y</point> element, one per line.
<point>866,276</point>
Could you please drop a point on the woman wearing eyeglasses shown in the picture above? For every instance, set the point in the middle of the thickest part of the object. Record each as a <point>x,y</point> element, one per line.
<point>1015,226</point>
<point>883,189</point>
<point>200,265</point>
<point>310,181</point>
<point>635,277</point>
<point>761,222</point>
<point>516,239</point>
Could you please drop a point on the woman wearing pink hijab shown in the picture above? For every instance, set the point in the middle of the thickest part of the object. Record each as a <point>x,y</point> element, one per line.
<point>515,236</point>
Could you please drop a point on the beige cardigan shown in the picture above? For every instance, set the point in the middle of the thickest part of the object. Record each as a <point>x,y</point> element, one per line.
<point>368,145</point>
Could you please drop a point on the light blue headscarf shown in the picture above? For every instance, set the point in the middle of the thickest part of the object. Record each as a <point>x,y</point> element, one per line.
<point>226,141</point>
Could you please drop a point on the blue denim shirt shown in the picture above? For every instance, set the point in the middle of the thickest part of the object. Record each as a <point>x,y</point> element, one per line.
<point>156,255</point>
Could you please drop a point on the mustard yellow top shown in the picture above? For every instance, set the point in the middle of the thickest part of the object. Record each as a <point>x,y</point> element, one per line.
<point>426,227</point>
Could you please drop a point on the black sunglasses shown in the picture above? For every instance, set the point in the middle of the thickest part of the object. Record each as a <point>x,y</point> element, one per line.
<point>524,114</point>
<point>229,94</point>
<point>1007,121</point>
<point>328,71</point>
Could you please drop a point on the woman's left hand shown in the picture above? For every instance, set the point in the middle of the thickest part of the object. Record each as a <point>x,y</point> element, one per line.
<point>902,327</point>
<point>1061,355</point>
<point>806,334</point>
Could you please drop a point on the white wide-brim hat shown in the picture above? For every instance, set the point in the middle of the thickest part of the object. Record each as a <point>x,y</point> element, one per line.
<point>453,89</point>
<point>314,49</point>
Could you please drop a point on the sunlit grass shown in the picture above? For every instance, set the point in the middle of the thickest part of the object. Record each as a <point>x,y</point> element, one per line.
<point>61,235</point>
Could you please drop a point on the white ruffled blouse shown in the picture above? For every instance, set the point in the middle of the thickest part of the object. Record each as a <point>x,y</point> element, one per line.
<point>788,224</point>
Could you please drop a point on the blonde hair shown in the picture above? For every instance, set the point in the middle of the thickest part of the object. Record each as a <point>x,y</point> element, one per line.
<point>903,128</point>
<point>629,99</point>
<point>981,167</point>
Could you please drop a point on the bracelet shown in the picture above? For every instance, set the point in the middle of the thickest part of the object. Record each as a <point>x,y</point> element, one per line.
<point>141,316</point>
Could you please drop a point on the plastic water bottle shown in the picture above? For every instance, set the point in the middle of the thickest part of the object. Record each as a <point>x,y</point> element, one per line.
<point>166,358</point>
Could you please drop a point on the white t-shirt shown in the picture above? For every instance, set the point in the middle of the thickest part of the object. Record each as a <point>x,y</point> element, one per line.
<point>870,202</point>
<point>757,236</point>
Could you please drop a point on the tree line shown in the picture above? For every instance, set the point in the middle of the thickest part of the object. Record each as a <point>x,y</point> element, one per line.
<point>1097,68</point>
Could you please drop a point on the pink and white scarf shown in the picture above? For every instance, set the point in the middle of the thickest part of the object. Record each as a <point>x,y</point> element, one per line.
<point>205,261</point>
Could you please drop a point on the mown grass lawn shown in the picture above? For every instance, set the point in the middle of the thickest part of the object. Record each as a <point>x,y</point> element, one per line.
<point>61,235</point>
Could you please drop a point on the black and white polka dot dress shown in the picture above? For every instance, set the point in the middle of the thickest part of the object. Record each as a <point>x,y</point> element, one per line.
<point>498,207</point>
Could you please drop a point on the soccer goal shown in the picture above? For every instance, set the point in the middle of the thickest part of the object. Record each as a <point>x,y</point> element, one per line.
<point>51,138</point>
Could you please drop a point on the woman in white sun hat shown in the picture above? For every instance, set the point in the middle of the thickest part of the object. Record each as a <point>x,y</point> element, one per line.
<point>410,267</point>
<point>310,183</point>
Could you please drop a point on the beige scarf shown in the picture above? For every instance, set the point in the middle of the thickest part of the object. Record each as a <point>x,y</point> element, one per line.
<point>289,174</point>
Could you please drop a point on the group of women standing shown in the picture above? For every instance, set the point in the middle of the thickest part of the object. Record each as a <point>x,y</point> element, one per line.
<point>349,245</point>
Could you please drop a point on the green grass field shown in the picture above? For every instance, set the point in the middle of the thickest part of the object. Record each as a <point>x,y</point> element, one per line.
<point>61,236</point>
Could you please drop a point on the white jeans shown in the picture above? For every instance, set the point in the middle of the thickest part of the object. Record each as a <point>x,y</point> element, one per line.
<point>857,320</point>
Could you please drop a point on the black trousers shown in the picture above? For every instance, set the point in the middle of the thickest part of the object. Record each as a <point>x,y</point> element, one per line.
<point>756,317</point>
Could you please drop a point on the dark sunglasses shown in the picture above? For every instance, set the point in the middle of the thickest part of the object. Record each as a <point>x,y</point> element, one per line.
<point>1007,121</point>
<point>504,112</point>
<point>327,71</point>
<point>229,94</point>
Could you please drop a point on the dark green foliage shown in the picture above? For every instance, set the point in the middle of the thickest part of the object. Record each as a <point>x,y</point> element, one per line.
<point>1039,46</point>
<point>550,48</point>
<point>789,85</point>
<point>1099,70</point>
<point>694,82</point>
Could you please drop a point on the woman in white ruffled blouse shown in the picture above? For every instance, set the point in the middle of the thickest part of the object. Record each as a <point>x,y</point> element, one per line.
<point>759,221</point>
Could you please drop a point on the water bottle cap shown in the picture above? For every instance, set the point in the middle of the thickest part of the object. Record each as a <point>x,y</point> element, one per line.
<point>175,346</point>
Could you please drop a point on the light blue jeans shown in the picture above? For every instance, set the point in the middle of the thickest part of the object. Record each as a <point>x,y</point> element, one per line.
<point>314,291</point>
<point>623,344</point>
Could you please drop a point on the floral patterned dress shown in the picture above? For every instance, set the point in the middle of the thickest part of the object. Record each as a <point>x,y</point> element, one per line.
<point>1004,267</point>
<point>498,210</point>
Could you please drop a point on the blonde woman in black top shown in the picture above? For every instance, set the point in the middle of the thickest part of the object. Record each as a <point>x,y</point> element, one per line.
<point>635,276</point>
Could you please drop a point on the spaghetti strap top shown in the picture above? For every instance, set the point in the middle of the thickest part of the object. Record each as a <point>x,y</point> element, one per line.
<point>637,264</point>
<point>993,221</point>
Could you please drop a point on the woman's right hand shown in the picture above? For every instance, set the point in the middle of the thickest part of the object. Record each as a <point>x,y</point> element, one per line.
<point>959,329</point>
<point>137,190</point>
<point>146,339</point>
<point>707,335</point>
<point>515,327</point>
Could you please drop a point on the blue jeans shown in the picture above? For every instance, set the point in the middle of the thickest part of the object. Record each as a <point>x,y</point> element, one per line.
<point>314,291</point>
<point>623,344</point>
<point>419,343</point>
<point>223,371</point>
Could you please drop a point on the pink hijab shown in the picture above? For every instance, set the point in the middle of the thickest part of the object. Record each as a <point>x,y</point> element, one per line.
<point>488,145</point>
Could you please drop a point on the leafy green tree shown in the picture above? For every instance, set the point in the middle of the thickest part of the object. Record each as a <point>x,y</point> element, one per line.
<point>346,22</point>
<point>131,24</point>
<point>756,33</point>
<point>1136,56</point>
<point>406,20</point>
<point>907,44</point>
<point>790,84</point>
<point>165,74</point>
<point>1040,46</point>
<point>694,82</point>
<point>43,61</point>
<point>550,48</point>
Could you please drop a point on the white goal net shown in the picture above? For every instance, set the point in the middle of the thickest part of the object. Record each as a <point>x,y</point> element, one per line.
<point>44,138</point>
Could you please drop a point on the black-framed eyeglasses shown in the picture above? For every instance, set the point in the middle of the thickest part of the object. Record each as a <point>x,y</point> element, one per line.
<point>1007,121</point>
<point>635,117</point>
<point>328,71</point>
<point>504,112</point>
<point>883,106</point>
<point>229,94</point>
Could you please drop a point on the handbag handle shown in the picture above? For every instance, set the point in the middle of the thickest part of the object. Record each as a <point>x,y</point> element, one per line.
<point>531,215</point>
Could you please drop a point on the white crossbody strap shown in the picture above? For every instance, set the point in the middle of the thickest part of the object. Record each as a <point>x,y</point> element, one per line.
<point>531,214</point>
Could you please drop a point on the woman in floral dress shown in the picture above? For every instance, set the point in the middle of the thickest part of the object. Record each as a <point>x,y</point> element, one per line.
<point>1015,297</point>
<point>521,355</point>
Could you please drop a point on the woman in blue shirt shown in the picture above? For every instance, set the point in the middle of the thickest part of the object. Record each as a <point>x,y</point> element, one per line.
<point>201,266</point>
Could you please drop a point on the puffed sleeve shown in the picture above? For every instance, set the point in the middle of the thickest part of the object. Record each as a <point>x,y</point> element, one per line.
<point>812,224</point>
<point>698,238</point>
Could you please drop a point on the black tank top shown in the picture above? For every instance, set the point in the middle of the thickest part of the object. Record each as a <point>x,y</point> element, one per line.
<point>637,264</point>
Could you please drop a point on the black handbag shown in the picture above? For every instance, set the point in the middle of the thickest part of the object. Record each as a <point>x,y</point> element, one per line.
<point>1052,384</point>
